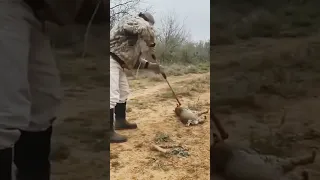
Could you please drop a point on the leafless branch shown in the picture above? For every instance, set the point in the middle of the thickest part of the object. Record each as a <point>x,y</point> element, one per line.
<point>160,149</point>
<point>88,28</point>
<point>121,4</point>
<point>121,8</point>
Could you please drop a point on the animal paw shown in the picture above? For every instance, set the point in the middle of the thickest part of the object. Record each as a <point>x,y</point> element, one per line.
<point>189,123</point>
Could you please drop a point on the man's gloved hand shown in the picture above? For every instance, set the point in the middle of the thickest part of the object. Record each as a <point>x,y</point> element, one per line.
<point>156,68</point>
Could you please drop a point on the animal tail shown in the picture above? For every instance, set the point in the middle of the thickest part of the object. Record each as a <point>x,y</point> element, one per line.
<point>298,161</point>
<point>308,159</point>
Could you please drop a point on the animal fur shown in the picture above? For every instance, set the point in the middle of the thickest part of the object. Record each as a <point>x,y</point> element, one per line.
<point>230,162</point>
<point>188,117</point>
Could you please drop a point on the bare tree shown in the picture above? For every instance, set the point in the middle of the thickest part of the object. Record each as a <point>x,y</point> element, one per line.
<point>88,28</point>
<point>171,35</point>
<point>120,8</point>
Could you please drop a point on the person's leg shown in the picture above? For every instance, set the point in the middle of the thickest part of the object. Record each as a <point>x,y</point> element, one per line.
<point>31,155</point>
<point>14,92</point>
<point>6,163</point>
<point>31,151</point>
<point>121,107</point>
<point>115,69</point>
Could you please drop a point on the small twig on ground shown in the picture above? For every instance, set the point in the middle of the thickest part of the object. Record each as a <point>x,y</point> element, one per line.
<point>169,146</point>
<point>175,150</point>
<point>158,148</point>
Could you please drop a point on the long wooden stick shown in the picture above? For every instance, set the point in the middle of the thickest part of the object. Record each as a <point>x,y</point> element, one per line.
<point>174,94</point>
<point>224,135</point>
<point>88,29</point>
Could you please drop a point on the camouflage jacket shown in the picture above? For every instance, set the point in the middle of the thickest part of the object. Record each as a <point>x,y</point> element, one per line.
<point>131,37</point>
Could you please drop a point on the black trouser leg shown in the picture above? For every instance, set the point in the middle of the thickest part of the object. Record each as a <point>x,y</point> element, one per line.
<point>31,155</point>
<point>6,164</point>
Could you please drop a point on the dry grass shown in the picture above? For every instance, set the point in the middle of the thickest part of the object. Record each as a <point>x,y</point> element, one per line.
<point>262,19</point>
<point>260,72</point>
<point>151,106</point>
<point>198,105</point>
<point>81,143</point>
<point>161,137</point>
<point>187,88</point>
<point>171,70</point>
<point>288,72</point>
<point>82,73</point>
<point>178,70</point>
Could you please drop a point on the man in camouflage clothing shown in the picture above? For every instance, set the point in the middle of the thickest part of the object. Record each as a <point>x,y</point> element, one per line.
<point>30,84</point>
<point>131,36</point>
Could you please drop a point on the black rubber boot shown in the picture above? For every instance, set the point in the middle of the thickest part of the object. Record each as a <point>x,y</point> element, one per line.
<point>121,121</point>
<point>6,164</point>
<point>31,155</point>
<point>115,137</point>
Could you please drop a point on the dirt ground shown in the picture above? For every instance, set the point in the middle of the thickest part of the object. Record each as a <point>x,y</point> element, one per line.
<point>266,93</point>
<point>151,106</point>
<point>80,146</point>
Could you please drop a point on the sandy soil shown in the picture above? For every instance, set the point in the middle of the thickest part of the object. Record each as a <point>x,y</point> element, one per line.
<point>262,83</point>
<point>80,143</point>
<point>80,146</point>
<point>151,106</point>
